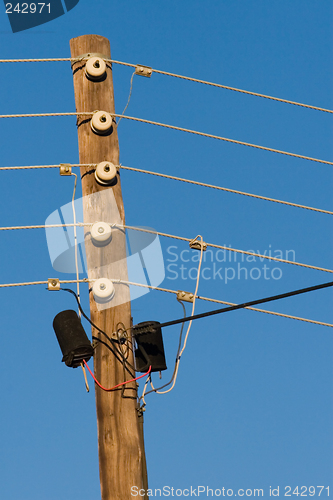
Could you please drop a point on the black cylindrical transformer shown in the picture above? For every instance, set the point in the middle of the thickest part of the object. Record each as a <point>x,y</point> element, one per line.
<point>150,349</point>
<point>74,343</point>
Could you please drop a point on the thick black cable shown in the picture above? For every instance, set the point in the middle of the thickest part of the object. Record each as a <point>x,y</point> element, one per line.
<point>240,306</point>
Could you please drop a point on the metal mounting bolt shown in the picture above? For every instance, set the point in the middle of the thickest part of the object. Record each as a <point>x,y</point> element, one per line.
<point>101,230</point>
<point>102,119</point>
<point>53,284</point>
<point>107,168</point>
<point>185,296</point>
<point>96,64</point>
<point>102,286</point>
<point>143,70</point>
<point>65,169</point>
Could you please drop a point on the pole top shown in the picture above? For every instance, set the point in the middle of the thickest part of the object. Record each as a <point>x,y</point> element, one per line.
<point>90,44</point>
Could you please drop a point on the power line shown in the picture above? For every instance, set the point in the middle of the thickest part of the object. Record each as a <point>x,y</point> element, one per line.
<point>41,115</point>
<point>167,235</point>
<point>182,77</point>
<point>173,127</point>
<point>49,59</point>
<point>188,181</point>
<point>245,304</point>
<point>30,283</point>
<point>220,138</point>
<point>256,94</point>
<point>260,256</point>
<point>32,167</point>
<point>288,316</point>
<point>203,184</point>
<point>166,290</point>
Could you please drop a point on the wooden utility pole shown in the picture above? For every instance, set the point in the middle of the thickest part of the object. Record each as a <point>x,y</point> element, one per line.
<point>120,443</point>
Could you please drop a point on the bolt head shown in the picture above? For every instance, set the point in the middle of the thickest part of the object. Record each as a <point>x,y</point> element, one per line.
<point>102,286</point>
<point>102,119</point>
<point>107,168</point>
<point>101,230</point>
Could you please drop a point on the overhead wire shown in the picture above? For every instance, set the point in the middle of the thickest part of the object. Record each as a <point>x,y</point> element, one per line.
<point>30,283</point>
<point>236,250</point>
<point>228,190</point>
<point>217,301</point>
<point>175,75</point>
<point>221,138</point>
<point>173,127</point>
<point>180,238</point>
<point>245,304</point>
<point>173,177</point>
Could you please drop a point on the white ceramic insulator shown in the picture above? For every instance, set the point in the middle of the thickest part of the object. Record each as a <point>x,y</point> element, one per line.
<point>103,290</point>
<point>101,234</point>
<point>105,172</point>
<point>95,68</point>
<point>101,122</point>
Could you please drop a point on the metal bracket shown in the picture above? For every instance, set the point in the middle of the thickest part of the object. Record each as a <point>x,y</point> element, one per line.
<point>87,56</point>
<point>94,344</point>
<point>185,296</point>
<point>143,70</point>
<point>65,169</point>
<point>196,245</point>
<point>53,284</point>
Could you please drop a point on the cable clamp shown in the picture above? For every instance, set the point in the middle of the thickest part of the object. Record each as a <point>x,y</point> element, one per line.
<point>198,245</point>
<point>143,70</point>
<point>53,284</point>
<point>65,169</point>
<point>185,296</point>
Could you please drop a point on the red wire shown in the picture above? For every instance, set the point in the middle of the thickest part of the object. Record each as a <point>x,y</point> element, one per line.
<point>115,387</point>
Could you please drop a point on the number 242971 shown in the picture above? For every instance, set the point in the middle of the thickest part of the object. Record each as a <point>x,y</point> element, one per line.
<point>25,8</point>
<point>304,491</point>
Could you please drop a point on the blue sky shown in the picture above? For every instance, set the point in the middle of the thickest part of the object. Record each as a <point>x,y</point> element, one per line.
<point>252,407</point>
